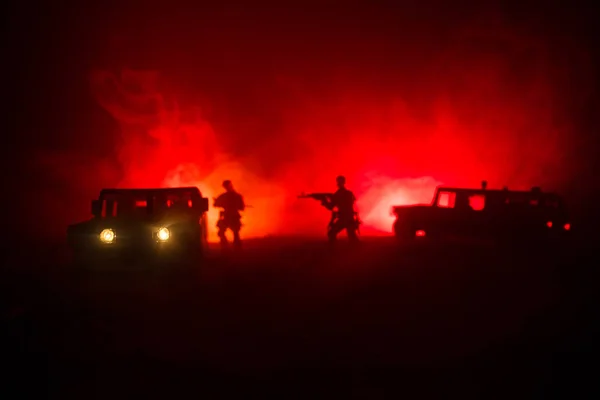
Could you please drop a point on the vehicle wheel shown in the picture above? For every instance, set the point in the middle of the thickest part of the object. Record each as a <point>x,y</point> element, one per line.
<point>82,266</point>
<point>193,249</point>
<point>404,234</point>
<point>194,254</point>
<point>79,261</point>
<point>204,232</point>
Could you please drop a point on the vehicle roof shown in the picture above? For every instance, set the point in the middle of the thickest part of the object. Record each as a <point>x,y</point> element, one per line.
<point>147,190</point>
<point>497,191</point>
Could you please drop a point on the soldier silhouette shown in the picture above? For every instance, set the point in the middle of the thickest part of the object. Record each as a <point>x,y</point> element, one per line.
<point>232,203</point>
<point>344,215</point>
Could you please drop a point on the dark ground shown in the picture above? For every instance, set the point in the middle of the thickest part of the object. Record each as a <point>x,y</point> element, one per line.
<point>294,319</point>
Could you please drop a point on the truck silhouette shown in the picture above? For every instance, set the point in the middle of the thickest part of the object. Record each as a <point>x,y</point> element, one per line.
<point>482,213</point>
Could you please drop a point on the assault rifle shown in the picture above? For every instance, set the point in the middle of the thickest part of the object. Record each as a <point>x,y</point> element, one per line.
<point>324,198</point>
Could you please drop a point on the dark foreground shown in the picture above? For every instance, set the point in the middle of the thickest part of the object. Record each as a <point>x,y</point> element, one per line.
<point>293,319</point>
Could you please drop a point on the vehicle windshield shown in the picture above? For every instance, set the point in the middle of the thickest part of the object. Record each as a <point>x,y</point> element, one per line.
<point>143,204</point>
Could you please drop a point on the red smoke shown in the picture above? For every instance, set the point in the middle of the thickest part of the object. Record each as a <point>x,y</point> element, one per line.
<point>485,104</point>
<point>478,121</point>
<point>165,145</point>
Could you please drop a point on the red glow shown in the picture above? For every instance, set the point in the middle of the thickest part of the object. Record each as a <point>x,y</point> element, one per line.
<point>455,111</point>
<point>141,203</point>
<point>375,200</point>
<point>549,224</point>
<point>567,227</point>
<point>186,152</point>
<point>420,233</point>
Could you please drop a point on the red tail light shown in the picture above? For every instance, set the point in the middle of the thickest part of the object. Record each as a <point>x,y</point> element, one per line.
<point>420,233</point>
<point>567,227</point>
<point>549,224</point>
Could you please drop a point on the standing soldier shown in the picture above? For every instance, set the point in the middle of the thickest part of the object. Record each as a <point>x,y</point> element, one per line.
<point>232,203</point>
<point>342,205</point>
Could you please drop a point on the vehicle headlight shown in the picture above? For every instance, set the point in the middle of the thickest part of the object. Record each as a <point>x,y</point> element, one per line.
<point>107,236</point>
<point>163,234</point>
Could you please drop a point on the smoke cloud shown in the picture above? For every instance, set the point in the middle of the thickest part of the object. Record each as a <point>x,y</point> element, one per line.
<point>396,118</point>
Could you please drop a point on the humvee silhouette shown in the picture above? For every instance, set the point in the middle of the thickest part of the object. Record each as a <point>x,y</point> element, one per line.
<point>484,214</point>
<point>142,222</point>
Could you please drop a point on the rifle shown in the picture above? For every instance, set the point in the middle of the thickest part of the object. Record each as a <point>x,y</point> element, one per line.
<point>322,197</point>
<point>325,199</point>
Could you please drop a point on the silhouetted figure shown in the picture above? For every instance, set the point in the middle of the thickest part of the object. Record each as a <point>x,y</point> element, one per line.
<point>344,215</point>
<point>232,203</point>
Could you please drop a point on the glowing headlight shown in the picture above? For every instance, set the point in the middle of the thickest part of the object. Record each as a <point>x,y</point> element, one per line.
<point>107,236</point>
<point>163,234</point>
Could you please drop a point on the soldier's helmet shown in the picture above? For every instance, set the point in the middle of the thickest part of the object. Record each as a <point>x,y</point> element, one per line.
<point>340,180</point>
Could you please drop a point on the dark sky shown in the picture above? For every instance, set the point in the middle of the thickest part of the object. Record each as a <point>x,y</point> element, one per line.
<point>231,60</point>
